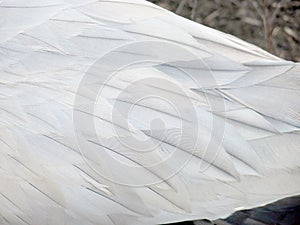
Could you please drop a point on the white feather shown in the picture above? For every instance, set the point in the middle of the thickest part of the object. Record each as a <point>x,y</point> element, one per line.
<point>51,175</point>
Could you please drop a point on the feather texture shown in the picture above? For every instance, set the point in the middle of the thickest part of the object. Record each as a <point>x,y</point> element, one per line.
<point>239,110</point>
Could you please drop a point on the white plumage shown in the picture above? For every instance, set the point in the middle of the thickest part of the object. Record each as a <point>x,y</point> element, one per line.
<point>54,171</point>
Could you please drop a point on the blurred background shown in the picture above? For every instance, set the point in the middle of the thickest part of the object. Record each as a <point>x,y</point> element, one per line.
<point>274,25</point>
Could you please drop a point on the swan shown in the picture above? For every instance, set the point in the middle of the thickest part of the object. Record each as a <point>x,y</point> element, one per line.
<point>119,112</point>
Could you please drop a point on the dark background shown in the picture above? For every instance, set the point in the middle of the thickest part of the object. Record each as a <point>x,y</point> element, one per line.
<point>273,25</point>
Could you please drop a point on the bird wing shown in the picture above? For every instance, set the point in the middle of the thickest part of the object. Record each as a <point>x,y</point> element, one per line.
<point>120,112</point>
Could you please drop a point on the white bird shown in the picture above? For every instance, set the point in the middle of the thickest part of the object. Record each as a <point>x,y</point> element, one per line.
<point>119,112</point>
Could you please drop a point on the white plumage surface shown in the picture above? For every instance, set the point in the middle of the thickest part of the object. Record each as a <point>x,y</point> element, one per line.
<point>53,171</point>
